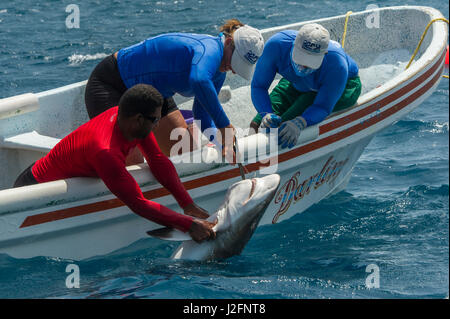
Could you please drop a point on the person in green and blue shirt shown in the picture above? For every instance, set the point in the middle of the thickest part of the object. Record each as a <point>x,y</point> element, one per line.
<point>318,77</point>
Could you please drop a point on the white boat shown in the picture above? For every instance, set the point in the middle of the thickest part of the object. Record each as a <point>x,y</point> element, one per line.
<point>78,218</point>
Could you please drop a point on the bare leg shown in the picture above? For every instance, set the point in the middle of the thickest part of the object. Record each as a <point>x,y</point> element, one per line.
<point>254,126</point>
<point>134,157</point>
<point>162,132</point>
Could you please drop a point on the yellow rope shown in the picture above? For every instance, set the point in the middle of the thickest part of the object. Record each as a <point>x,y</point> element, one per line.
<point>345,27</point>
<point>423,37</point>
<point>347,15</point>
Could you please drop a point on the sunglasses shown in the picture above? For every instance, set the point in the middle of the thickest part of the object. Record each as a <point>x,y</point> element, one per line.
<point>153,119</point>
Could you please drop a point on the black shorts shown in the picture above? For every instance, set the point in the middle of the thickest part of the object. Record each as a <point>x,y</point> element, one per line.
<point>105,88</point>
<point>26,178</point>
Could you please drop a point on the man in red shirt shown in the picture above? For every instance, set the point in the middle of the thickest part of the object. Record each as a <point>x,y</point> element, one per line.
<point>99,147</point>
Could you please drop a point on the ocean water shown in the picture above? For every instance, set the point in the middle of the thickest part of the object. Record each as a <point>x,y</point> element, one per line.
<point>393,214</point>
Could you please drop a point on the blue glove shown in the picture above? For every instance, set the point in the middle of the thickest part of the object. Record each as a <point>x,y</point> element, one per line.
<point>289,132</point>
<point>270,120</point>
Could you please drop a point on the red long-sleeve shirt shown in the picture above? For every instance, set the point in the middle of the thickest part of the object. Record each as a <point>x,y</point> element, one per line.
<point>98,149</point>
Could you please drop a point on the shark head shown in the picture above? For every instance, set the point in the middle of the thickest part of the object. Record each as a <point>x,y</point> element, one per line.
<point>237,218</point>
<point>245,202</point>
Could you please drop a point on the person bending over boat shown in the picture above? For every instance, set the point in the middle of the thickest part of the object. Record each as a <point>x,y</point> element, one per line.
<point>98,149</point>
<point>318,77</point>
<point>184,63</point>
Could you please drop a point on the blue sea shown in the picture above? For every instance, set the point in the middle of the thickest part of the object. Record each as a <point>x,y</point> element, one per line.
<point>392,220</point>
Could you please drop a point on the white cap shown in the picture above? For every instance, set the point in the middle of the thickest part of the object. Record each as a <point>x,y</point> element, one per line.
<point>249,45</point>
<point>310,46</point>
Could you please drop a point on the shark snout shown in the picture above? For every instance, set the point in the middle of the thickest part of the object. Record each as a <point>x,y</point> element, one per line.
<point>263,190</point>
<point>271,182</point>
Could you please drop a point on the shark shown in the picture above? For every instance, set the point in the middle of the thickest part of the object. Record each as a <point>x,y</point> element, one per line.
<point>237,218</point>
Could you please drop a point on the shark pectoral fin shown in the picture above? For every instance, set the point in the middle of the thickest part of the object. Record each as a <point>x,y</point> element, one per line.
<point>168,233</point>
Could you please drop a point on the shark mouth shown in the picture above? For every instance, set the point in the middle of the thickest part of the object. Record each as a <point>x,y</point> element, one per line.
<point>252,190</point>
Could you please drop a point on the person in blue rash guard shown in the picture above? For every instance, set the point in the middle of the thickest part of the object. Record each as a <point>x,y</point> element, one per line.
<point>190,65</point>
<point>318,77</point>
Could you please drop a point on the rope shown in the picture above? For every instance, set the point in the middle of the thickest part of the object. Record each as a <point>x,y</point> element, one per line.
<point>347,15</point>
<point>423,37</point>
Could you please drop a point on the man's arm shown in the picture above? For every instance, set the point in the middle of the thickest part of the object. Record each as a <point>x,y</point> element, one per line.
<point>206,97</point>
<point>206,90</point>
<point>202,111</point>
<point>265,72</point>
<point>111,169</point>
<point>164,170</point>
<point>329,93</point>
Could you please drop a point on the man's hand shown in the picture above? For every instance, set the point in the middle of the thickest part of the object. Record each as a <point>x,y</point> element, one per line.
<point>195,211</point>
<point>228,139</point>
<point>289,132</point>
<point>270,120</point>
<point>202,230</point>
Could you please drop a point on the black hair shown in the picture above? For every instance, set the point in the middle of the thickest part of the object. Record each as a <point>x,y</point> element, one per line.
<point>140,99</point>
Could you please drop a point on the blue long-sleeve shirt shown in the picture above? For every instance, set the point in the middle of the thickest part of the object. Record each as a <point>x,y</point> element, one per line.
<point>187,64</point>
<point>328,81</point>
